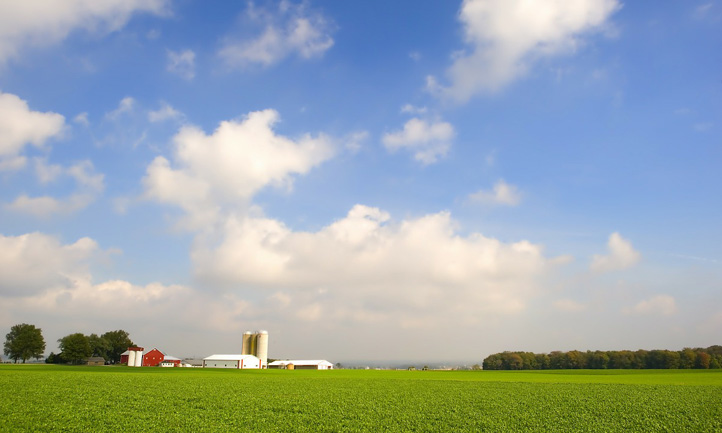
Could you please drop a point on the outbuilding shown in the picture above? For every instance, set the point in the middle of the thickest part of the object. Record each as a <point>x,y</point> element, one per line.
<point>170,361</point>
<point>95,360</point>
<point>302,364</point>
<point>231,361</point>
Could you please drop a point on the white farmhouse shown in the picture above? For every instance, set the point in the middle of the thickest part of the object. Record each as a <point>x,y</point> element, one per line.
<point>231,361</point>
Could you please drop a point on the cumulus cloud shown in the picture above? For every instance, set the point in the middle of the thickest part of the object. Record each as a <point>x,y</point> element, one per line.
<point>291,29</point>
<point>428,140</point>
<point>165,112</point>
<point>45,22</point>
<point>182,63</point>
<point>20,126</point>
<point>505,37</point>
<point>663,305</point>
<point>365,267</point>
<point>231,165</point>
<point>621,255</point>
<point>34,262</point>
<point>502,194</point>
<point>89,184</point>
<point>569,305</point>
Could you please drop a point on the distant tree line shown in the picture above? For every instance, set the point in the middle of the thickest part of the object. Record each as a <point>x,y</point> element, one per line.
<point>76,348</point>
<point>710,357</point>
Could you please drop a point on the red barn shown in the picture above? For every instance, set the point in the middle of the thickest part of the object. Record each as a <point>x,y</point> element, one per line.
<point>153,358</point>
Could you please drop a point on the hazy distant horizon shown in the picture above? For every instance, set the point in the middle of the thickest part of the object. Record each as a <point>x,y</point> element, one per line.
<point>363,179</point>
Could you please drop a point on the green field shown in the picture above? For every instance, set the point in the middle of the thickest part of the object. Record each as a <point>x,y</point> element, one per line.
<point>84,399</point>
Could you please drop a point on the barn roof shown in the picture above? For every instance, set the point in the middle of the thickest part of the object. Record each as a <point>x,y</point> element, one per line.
<point>229,357</point>
<point>301,362</point>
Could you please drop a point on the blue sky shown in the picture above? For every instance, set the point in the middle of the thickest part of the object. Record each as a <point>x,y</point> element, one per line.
<point>366,180</point>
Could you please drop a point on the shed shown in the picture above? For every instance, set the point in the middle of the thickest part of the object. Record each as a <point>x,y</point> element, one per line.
<point>95,360</point>
<point>231,361</point>
<point>302,364</point>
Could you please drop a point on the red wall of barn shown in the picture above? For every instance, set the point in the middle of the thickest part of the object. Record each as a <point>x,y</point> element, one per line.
<point>153,358</point>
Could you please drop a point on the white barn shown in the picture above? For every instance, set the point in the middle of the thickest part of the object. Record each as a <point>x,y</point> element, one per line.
<point>302,364</point>
<point>231,361</point>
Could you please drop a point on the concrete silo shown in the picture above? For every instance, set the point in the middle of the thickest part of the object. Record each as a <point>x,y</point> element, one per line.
<point>262,348</point>
<point>131,358</point>
<point>246,346</point>
<point>139,358</point>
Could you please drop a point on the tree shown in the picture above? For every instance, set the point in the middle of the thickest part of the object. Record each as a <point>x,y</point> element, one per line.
<point>99,346</point>
<point>75,348</point>
<point>24,342</point>
<point>119,341</point>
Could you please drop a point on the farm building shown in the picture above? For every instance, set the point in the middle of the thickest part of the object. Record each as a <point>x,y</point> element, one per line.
<point>170,361</point>
<point>231,361</point>
<point>133,357</point>
<point>95,360</point>
<point>302,364</point>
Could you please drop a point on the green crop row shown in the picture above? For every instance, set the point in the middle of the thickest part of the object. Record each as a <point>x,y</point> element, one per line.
<point>180,400</point>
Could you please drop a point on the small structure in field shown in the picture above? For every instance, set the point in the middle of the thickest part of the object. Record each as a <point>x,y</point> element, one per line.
<point>95,360</point>
<point>302,364</point>
<point>232,361</point>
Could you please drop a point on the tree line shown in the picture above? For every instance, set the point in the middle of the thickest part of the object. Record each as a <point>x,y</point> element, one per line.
<point>26,341</point>
<point>710,357</point>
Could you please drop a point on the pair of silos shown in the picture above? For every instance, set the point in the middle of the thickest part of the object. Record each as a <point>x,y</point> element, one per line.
<point>256,344</point>
<point>135,357</point>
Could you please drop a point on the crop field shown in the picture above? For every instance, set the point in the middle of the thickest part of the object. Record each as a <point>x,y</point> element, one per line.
<point>63,398</point>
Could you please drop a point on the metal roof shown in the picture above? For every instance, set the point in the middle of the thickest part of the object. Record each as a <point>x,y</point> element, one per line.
<point>301,362</point>
<point>229,357</point>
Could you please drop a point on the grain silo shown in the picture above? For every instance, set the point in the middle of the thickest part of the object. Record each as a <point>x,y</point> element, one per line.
<point>131,358</point>
<point>262,348</point>
<point>139,358</point>
<point>246,346</point>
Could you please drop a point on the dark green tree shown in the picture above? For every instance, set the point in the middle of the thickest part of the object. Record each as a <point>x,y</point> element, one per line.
<point>24,342</point>
<point>119,341</point>
<point>75,348</point>
<point>99,346</point>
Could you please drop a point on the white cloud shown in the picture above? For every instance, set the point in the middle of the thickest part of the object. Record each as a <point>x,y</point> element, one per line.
<point>663,305</point>
<point>231,165</point>
<point>365,267</point>
<point>411,109</point>
<point>82,119</point>
<point>182,63</point>
<point>45,206</point>
<point>124,106</point>
<point>89,185</point>
<point>429,141</point>
<point>502,194</point>
<point>34,262</point>
<point>569,305</point>
<point>165,112</point>
<point>45,22</point>
<point>621,255</point>
<point>703,11</point>
<point>506,36</point>
<point>292,29</point>
<point>355,140</point>
<point>20,126</point>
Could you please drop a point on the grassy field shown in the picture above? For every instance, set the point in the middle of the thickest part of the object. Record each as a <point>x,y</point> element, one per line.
<point>62,398</point>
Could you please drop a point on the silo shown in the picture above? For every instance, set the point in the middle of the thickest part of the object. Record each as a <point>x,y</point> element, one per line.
<point>253,346</point>
<point>262,348</point>
<point>131,358</point>
<point>246,346</point>
<point>139,359</point>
